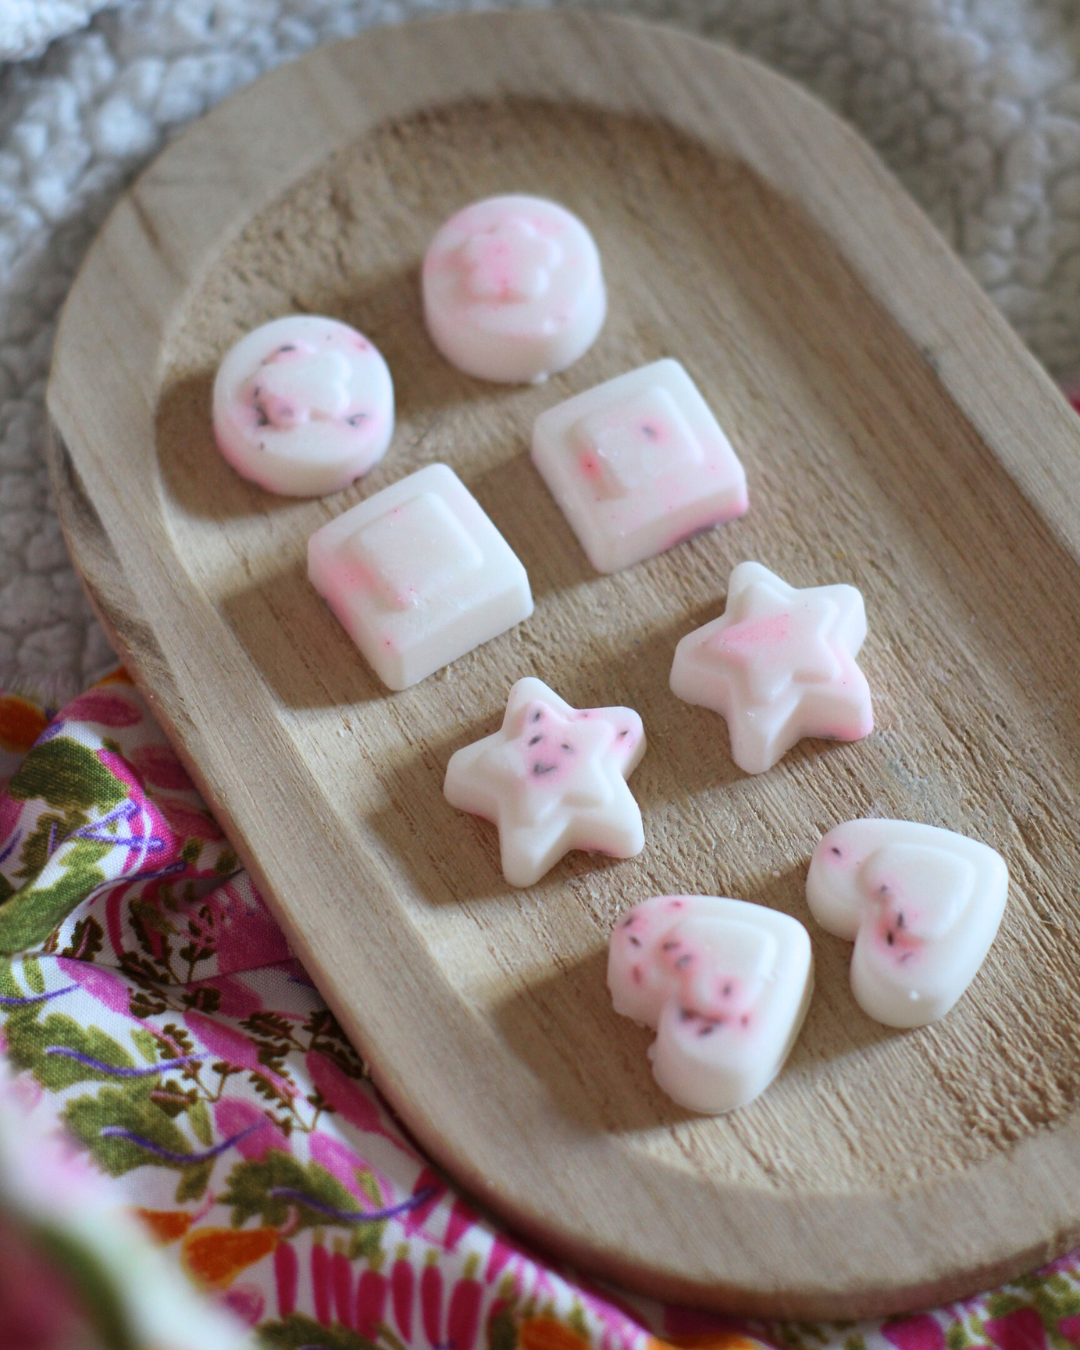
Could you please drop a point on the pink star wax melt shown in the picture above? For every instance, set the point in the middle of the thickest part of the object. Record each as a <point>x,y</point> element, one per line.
<point>303,406</point>
<point>638,465</point>
<point>922,906</point>
<point>778,665</point>
<point>553,778</point>
<point>418,575</point>
<point>724,983</point>
<point>513,289</point>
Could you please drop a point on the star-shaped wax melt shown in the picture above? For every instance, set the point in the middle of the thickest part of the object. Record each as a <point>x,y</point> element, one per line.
<point>778,665</point>
<point>922,906</point>
<point>552,778</point>
<point>726,985</point>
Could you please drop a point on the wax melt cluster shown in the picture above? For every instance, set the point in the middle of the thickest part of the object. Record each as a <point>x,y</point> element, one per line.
<point>418,576</point>
<point>726,984</point>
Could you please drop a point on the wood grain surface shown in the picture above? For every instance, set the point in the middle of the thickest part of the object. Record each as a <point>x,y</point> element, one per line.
<point>895,435</point>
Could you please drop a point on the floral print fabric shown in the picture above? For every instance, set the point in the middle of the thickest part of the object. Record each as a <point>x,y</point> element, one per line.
<point>150,1005</point>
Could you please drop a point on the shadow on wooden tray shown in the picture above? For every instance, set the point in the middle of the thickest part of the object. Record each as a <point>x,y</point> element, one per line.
<point>297,645</point>
<point>592,1062</point>
<point>526,515</point>
<point>429,837</point>
<point>450,856</point>
<point>387,309</point>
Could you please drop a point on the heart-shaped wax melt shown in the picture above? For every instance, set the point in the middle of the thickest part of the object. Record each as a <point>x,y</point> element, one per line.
<point>922,906</point>
<point>725,983</point>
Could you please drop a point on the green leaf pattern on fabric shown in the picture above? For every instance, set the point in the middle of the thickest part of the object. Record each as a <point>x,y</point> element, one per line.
<point>298,1331</point>
<point>153,1007</point>
<point>67,776</point>
<point>30,915</point>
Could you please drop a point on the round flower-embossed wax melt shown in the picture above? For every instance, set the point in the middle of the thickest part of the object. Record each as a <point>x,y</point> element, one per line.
<point>303,405</point>
<point>513,289</point>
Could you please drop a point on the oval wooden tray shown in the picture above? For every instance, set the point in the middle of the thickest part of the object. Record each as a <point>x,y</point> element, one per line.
<point>896,435</point>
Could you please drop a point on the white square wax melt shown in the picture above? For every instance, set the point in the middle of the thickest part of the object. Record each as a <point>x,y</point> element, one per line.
<point>418,575</point>
<point>638,464</point>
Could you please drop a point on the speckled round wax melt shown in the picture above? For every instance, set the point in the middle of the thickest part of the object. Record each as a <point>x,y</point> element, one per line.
<point>303,405</point>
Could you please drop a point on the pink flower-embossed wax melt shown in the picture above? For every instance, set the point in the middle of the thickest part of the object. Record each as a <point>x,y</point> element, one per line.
<point>724,983</point>
<point>553,778</point>
<point>303,406</point>
<point>418,575</point>
<point>638,464</point>
<point>513,289</point>
<point>778,665</point>
<point>922,906</point>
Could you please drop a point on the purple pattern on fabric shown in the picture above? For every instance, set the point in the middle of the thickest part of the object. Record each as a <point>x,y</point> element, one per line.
<point>258,1150</point>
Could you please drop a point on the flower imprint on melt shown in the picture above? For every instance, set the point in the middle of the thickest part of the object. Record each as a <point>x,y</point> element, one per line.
<point>303,405</point>
<point>298,384</point>
<point>510,262</point>
<point>513,289</point>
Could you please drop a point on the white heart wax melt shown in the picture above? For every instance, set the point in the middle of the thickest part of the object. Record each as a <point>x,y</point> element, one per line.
<point>303,405</point>
<point>638,464</point>
<point>725,983</point>
<point>922,906</point>
<point>418,575</point>
<point>778,665</point>
<point>553,778</point>
<point>513,289</point>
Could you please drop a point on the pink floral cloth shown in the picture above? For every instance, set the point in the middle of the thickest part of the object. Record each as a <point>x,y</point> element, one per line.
<point>150,1005</point>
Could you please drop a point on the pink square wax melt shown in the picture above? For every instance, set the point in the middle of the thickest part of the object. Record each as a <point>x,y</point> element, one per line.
<point>418,575</point>
<point>638,464</point>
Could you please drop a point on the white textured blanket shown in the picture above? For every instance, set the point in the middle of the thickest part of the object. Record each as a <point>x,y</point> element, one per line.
<point>974,103</point>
